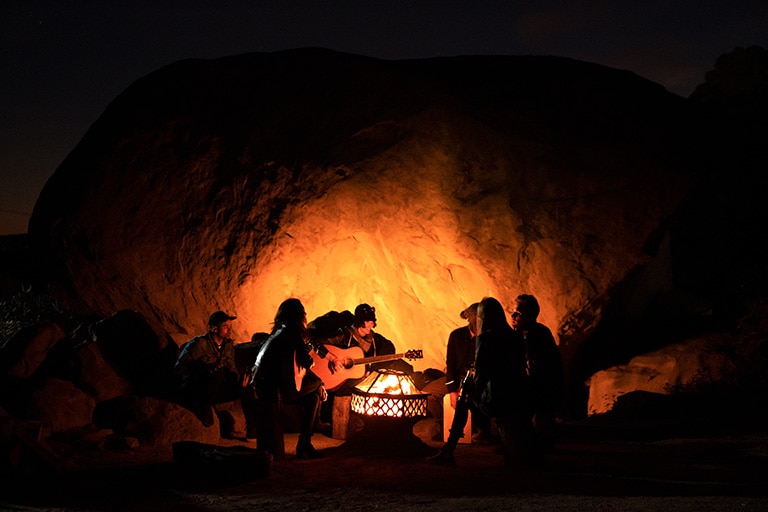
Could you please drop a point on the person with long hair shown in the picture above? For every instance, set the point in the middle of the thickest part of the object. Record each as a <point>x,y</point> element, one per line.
<point>459,358</point>
<point>502,383</point>
<point>282,374</point>
<point>498,385</point>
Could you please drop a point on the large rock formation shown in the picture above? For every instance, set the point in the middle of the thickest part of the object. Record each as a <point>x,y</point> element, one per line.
<point>416,186</point>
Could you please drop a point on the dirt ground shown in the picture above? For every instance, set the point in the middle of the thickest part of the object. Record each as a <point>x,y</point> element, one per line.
<point>610,467</point>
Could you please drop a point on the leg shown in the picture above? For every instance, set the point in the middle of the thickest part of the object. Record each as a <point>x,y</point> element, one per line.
<point>196,395</point>
<point>310,409</point>
<point>456,432</point>
<point>250,411</point>
<point>269,429</point>
<point>544,426</point>
<point>481,427</point>
<point>517,440</point>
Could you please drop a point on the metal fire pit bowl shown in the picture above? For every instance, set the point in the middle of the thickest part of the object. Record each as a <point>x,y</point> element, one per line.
<point>389,393</point>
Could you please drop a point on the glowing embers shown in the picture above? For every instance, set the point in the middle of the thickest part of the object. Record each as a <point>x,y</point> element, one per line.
<point>389,393</point>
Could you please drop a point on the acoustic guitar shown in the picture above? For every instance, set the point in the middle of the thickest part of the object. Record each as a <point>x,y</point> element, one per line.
<point>352,364</point>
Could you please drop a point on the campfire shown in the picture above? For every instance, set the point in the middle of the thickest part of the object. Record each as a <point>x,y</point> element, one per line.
<point>389,393</point>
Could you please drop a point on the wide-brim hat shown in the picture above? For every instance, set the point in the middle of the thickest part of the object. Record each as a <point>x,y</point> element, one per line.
<point>470,312</point>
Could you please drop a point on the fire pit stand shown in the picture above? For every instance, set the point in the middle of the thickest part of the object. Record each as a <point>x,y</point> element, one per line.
<point>389,405</point>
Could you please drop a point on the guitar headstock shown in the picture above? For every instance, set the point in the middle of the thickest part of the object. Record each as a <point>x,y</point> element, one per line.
<point>414,354</point>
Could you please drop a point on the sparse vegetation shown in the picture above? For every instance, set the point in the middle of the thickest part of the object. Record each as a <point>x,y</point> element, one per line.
<point>27,308</point>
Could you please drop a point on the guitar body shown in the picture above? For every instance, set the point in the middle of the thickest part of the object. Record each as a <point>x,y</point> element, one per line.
<point>334,379</point>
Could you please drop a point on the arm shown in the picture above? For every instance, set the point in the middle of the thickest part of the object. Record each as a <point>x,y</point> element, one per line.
<point>452,377</point>
<point>187,357</point>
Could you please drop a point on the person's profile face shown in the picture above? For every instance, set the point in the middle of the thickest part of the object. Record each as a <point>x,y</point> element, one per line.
<point>366,328</point>
<point>472,324</point>
<point>224,329</point>
<point>519,318</point>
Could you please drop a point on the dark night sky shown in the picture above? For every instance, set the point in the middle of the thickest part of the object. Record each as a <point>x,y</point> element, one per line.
<point>63,61</point>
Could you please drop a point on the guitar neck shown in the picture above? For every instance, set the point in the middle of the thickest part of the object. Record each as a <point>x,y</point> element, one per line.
<point>377,359</point>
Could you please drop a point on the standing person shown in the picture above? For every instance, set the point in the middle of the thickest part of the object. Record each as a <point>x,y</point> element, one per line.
<point>544,366</point>
<point>502,383</point>
<point>281,374</point>
<point>498,385</point>
<point>206,367</point>
<point>459,358</point>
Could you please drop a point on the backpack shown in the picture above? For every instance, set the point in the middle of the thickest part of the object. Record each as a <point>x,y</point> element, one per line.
<point>329,325</point>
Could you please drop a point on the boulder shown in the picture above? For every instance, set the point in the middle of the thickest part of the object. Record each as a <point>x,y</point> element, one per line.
<point>62,406</point>
<point>26,351</point>
<point>678,368</point>
<point>97,377</point>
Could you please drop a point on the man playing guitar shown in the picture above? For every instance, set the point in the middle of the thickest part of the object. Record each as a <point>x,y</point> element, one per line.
<point>329,362</point>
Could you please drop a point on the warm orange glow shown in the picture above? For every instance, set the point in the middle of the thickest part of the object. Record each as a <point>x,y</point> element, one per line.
<point>389,393</point>
<point>390,384</point>
<point>410,261</point>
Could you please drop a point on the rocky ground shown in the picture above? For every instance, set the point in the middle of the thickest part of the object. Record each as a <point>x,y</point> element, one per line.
<point>594,466</point>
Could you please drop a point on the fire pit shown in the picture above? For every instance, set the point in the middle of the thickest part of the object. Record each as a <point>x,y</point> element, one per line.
<point>389,393</point>
<point>389,404</point>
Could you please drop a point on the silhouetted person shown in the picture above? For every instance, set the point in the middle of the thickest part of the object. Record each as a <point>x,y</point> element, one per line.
<point>499,386</point>
<point>281,374</point>
<point>544,368</point>
<point>459,358</point>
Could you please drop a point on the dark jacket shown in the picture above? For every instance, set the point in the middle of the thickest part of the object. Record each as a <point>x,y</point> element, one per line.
<point>500,377</point>
<point>201,356</point>
<point>459,357</point>
<point>545,368</point>
<point>347,337</point>
<point>274,372</point>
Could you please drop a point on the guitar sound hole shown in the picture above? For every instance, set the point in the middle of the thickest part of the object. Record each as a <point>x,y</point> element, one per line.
<point>348,363</point>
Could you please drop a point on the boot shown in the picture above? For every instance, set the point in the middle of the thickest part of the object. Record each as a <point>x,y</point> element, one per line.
<point>305,450</point>
<point>322,427</point>
<point>443,458</point>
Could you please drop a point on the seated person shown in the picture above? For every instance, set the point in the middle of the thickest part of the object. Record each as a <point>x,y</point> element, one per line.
<point>359,334</point>
<point>332,344</point>
<point>209,375</point>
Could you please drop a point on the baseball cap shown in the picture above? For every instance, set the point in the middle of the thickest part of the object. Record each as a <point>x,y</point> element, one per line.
<point>219,317</point>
